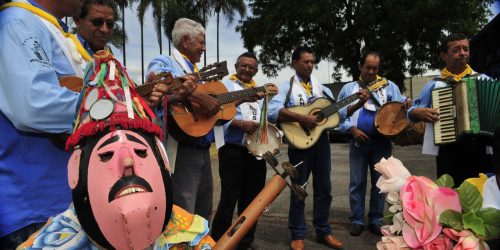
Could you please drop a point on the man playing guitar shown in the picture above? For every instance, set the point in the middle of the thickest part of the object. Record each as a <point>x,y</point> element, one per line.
<point>192,177</point>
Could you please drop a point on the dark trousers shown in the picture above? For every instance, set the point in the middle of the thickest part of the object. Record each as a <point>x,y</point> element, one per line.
<point>242,178</point>
<point>14,239</point>
<point>316,160</point>
<point>462,160</point>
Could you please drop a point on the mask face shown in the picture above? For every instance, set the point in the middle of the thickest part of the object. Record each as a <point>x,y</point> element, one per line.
<point>128,191</point>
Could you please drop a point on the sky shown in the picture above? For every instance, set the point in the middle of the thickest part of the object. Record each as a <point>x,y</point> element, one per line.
<point>231,46</point>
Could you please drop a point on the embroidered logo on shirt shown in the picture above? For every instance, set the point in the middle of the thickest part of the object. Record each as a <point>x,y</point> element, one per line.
<point>36,52</point>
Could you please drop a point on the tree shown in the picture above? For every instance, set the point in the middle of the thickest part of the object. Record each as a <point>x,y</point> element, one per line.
<point>405,32</point>
<point>122,4</point>
<point>228,8</point>
<point>176,9</point>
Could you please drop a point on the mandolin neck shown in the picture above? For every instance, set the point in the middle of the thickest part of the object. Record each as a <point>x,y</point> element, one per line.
<point>145,89</point>
<point>239,94</point>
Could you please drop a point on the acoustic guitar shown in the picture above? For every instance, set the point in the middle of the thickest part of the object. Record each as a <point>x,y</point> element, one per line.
<point>328,117</point>
<point>192,120</point>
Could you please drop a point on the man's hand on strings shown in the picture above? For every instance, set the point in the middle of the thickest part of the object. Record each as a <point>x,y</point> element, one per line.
<point>159,90</point>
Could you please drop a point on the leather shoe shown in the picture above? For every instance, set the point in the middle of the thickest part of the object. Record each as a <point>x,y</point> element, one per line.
<point>375,229</point>
<point>356,229</point>
<point>297,245</point>
<point>330,241</point>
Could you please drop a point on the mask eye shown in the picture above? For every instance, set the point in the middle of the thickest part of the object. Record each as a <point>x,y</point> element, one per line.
<point>106,156</point>
<point>143,153</point>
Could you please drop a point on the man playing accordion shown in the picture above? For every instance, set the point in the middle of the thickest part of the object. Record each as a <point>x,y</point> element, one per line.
<point>466,157</point>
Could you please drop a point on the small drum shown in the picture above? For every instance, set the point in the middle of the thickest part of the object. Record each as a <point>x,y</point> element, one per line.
<point>273,144</point>
<point>391,121</point>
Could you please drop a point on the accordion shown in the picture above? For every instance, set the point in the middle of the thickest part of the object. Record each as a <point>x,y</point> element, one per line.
<point>470,107</point>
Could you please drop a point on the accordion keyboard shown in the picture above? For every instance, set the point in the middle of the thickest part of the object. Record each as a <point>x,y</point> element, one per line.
<point>445,130</point>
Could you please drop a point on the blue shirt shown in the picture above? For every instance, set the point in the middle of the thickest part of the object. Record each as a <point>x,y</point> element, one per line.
<point>366,118</point>
<point>33,172</point>
<point>278,101</point>
<point>163,63</point>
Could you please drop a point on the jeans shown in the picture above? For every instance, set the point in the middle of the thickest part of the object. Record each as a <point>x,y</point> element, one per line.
<point>11,241</point>
<point>316,160</point>
<point>463,160</point>
<point>362,157</point>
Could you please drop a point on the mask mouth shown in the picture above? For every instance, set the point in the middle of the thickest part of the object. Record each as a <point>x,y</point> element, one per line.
<point>129,185</point>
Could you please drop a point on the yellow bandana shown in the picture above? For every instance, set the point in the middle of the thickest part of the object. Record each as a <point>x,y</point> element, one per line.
<point>308,87</point>
<point>445,74</point>
<point>53,21</point>
<point>247,85</point>
<point>195,68</point>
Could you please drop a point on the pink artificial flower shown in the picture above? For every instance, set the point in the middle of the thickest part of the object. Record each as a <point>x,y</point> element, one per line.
<point>439,243</point>
<point>394,175</point>
<point>392,243</point>
<point>466,240</point>
<point>423,201</point>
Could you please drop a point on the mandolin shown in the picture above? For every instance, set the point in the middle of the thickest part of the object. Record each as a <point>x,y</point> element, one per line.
<point>212,72</point>
<point>192,120</point>
<point>327,112</point>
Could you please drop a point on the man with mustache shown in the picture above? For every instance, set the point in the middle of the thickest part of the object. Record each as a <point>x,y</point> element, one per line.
<point>302,89</point>
<point>464,158</point>
<point>367,146</point>
<point>36,52</point>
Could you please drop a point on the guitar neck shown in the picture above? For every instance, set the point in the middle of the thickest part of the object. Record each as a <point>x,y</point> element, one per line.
<point>334,108</point>
<point>239,94</point>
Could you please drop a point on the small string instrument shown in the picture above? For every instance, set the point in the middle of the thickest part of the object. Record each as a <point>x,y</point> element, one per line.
<point>212,72</point>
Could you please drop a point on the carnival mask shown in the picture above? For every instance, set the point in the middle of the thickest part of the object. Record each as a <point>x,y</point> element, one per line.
<point>121,189</point>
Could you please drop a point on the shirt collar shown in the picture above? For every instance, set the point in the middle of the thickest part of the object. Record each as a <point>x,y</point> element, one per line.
<point>85,44</point>
<point>63,24</point>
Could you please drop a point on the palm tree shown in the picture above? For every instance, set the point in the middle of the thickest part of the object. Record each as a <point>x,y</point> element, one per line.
<point>175,9</point>
<point>228,8</point>
<point>122,4</point>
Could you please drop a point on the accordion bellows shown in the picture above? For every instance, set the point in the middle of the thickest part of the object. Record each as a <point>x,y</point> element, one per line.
<point>469,108</point>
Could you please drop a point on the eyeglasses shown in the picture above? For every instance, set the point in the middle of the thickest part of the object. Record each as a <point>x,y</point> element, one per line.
<point>98,22</point>
<point>249,67</point>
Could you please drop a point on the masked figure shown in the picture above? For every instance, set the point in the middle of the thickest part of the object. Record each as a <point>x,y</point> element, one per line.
<point>119,175</point>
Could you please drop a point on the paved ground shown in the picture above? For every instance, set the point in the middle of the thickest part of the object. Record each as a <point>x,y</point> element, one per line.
<point>272,231</point>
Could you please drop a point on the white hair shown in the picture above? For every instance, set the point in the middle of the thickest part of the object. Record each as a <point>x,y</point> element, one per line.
<point>186,27</point>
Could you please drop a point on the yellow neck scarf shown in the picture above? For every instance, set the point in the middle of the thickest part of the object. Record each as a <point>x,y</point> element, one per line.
<point>378,77</point>
<point>247,85</point>
<point>53,21</point>
<point>195,68</point>
<point>308,87</point>
<point>445,74</point>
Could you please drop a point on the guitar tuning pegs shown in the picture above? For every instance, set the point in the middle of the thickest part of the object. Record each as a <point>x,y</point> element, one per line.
<point>290,169</point>
<point>270,159</point>
<point>299,191</point>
